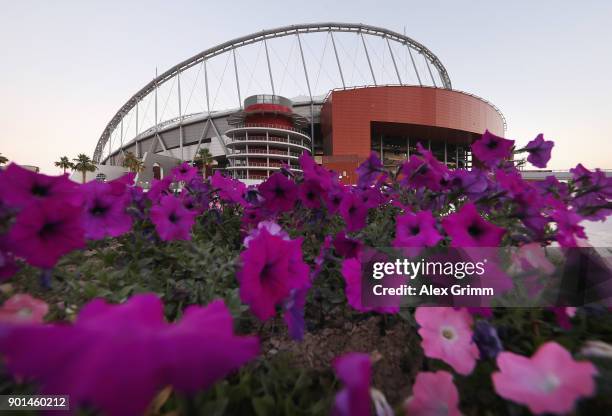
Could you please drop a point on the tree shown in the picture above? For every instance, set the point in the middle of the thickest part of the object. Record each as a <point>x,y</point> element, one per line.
<point>64,163</point>
<point>133,163</point>
<point>3,160</point>
<point>84,164</point>
<point>204,158</point>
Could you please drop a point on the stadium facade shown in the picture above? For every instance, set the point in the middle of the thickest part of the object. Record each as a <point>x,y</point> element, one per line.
<point>401,97</point>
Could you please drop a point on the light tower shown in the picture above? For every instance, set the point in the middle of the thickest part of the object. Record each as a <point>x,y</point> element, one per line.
<point>264,136</point>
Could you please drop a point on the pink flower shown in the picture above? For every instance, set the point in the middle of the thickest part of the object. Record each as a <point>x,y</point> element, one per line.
<point>468,229</point>
<point>433,394</point>
<point>345,246</point>
<point>190,202</point>
<point>159,187</point>
<point>491,149</point>
<point>279,192</point>
<point>172,220</point>
<point>117,357</point>
<point>548,382</point>
<point>316,172</point>
<point>230,190</point>
<point>20,187</point>
<point>334,198</point>
<point>23,309</point>
<point>355,371</point>
<point>539,151</point>
<point>447,335</point>
<point>351,271</point>
<point>416,230</point>
<point>310,193</point>
<point>424,170</point>
<point>371,197</point>
<point>184,172</point>
<point>568,227</point>
<point>272,267</point>
<point>370,170</point>
<point>43,232</point>
<point>271,227</point>
<point>104,211</point>
<point>353,211</point>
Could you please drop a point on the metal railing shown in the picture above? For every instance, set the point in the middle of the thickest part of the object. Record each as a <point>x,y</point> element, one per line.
<point>264,139</point>
<point>268,126</point>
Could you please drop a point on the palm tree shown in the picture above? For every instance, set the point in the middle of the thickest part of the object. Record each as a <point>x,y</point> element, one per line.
<point>133,163</point>
<point>84,164</point>
<point>3,160</point>
<point>64,163</point>
<point>204,158</point>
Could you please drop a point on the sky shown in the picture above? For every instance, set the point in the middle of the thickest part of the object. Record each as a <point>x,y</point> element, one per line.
<point>67,66</point>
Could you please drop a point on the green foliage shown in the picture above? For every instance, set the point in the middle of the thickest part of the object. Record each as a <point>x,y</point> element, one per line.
<point>198,271</point>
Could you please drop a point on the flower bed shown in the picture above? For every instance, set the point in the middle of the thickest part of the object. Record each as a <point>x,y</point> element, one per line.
<point>208,297</point>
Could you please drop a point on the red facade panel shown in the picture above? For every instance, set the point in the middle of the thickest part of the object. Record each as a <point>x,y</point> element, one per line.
<point>347,115</point>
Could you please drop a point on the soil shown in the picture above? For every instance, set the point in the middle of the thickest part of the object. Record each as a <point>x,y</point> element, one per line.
<point>396,354</point>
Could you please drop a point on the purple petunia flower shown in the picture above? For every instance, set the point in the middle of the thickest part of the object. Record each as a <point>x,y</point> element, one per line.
<point>293,307</point>
<point>353,211</point>
<point>20,187</point>
<point>271,227</point>
<point>352,274</point>
<point>279,193</point>
<point>334,198</point>
<point>293,312</point>
<point>43,232</point>
<point>369,170</point>
<point>512,182</point>
<point>594,191</point>
<point>104,210</point>
<point>472,183</point>
<point>230,190</point>
<point>539,151</point>
<point>316,172</point>
<point>553,187</point>
<point>117,357</point>
<point>159,188</point>
<point>190,202</point>
<point>172,220</point>
<point>184,172</point>
<point>528,208</point>
<point>418,174</point>
<point>486,339</point>
<point>272,266</point>
<point>355,371</point>
<point>568,227</point>
<point>252,215</point>
<point>468,229</point>
<point>310,193</point>
<point>370,197</point>
<point>347,247</point>
<point>416,230</point>
<point>491,149</point>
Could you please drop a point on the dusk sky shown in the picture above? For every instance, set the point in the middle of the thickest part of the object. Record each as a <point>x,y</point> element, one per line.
<point>67,66</point>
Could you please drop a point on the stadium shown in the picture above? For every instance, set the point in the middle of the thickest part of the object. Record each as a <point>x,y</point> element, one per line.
<point>258,102</point>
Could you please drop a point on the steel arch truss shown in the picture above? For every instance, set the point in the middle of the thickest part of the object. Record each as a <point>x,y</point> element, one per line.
<point>263,36</point>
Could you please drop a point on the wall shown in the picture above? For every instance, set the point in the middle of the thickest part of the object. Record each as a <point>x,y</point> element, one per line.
<point>347,115</point>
